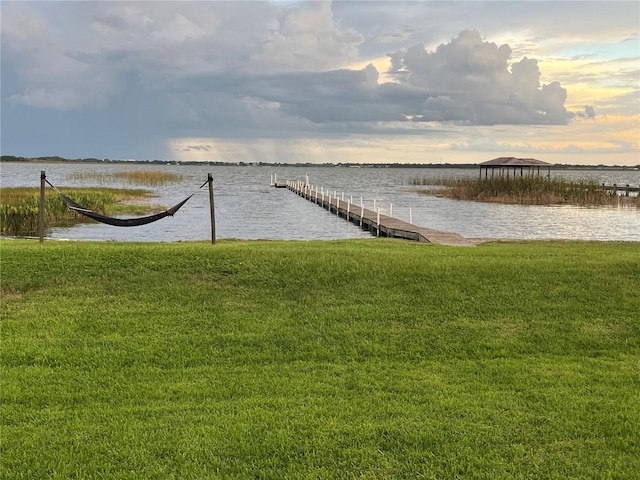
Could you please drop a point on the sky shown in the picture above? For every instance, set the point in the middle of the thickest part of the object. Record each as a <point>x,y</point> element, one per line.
<point>322,82</point>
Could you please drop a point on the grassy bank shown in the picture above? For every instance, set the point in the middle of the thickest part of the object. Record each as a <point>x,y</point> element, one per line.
<point>346,359</point>
<point>20,206</point>
<point>528,190</point>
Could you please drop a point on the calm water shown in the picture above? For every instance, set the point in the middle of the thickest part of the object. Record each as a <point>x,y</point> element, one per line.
<point>248,208</point>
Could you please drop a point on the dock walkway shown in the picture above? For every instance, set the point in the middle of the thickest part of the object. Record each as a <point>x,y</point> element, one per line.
<point>377,223</point>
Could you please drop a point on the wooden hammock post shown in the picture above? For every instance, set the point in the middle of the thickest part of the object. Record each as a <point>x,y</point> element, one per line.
<point>213,211</point>
<point>41,209</point>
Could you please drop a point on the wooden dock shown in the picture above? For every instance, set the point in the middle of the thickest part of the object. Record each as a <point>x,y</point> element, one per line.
<point>375,222</point>
<point>622,190</point>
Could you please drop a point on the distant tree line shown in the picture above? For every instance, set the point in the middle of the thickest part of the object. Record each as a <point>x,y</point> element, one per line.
<point>57,159</point>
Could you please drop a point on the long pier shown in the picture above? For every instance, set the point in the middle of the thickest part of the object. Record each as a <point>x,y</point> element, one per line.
<point>378,224</point>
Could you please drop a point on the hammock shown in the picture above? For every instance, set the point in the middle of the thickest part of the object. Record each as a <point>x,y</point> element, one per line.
<point>121,222</point>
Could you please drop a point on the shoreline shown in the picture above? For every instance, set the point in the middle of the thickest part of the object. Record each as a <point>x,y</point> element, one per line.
<point>58,160</point>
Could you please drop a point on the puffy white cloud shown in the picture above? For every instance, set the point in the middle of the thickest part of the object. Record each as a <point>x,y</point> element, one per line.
<point>276,69</point>
<point>308,39</point>
<point>470,80</point>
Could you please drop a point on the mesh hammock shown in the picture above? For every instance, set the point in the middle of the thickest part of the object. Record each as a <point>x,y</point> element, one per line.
<point>121,222</point>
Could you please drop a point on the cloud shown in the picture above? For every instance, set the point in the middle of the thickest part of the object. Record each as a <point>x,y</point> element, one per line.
<point>116,46</point>
<point>589,113</point>
<point>467,81</point>
<point>136,74</point>
<point>308,39</point>
<point>196,148</point>
<point>471,81</point>
<point>287,75</point>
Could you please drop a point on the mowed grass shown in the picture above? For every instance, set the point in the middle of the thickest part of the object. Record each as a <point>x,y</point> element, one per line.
<point>346,359</point>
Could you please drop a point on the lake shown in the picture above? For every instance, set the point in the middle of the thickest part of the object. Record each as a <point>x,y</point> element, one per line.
<point>247,207</point>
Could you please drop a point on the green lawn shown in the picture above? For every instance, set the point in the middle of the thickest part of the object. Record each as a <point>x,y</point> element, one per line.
<point>371,359</point>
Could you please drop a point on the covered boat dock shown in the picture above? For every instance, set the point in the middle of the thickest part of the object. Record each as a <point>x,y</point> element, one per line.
<point>506,165</point>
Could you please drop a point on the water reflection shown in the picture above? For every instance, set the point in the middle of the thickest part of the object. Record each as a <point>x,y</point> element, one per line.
<point>247,208</point>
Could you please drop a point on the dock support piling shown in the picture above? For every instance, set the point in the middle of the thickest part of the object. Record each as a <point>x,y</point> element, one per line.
<point>41,209</point>
<point>213,210</point>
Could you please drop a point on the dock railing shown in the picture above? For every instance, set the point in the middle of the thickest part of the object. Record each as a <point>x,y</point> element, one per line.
<point>377,220</point>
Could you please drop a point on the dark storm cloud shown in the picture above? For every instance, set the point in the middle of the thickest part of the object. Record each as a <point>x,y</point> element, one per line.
<point>467,81</point>
<point>188,69</point>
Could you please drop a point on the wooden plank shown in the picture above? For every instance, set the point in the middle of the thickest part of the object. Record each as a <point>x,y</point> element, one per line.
<point>387,226</point>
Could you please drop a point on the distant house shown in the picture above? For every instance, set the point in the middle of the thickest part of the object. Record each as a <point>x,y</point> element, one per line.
<point>506,165</point>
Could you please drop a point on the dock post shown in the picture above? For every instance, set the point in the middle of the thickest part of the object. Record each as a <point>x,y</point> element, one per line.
<point>213,210</point>
<point>391,209</point>
<point>361,213</point>
<point>41,209</point>
<point>410,216</point>
<point>348,208</point>
<point>378,222</point>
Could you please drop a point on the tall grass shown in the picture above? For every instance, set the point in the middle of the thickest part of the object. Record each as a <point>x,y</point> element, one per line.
<point>529,190</point>
<point>136,177</point>
<point>19,206</point>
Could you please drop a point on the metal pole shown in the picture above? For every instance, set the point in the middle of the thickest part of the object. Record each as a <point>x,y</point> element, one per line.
<point>213,210</point>
<point>41,210</point>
